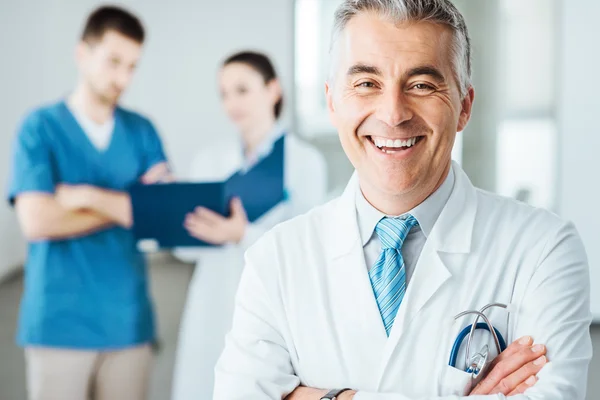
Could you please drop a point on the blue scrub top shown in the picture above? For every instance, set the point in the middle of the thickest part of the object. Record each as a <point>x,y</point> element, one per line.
<point>89,292</point>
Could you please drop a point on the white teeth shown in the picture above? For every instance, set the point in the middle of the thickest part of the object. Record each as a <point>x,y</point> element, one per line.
<point>389,143</point>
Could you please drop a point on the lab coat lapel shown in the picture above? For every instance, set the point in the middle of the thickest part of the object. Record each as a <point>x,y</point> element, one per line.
<point>430,274</point>
<point>356,310</point>
<point>451,233</point>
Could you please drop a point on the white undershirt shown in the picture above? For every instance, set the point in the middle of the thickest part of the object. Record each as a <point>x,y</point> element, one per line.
<point>99,134</point>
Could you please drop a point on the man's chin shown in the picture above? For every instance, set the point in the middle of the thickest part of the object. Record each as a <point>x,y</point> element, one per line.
<point>397,184</point>
<point>392,184</point>
<point>111,100</point>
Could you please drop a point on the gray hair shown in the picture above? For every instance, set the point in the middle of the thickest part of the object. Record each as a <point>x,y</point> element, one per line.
<point>435,11</point>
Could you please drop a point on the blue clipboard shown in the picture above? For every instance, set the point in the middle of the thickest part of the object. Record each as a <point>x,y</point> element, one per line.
<point>159,210</point>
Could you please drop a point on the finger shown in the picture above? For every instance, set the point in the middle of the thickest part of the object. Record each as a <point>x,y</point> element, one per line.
<point>197,230</point>
<point>507,366</point>
<point>237,208</point>
<point>511,382</point>
<point>483,387</point>
<point>205,234</point>
<point>198,220</point>
<point>514,347</point>
<point>156,173</point>
<point>169,178</point>
<point>532,380</point>
<point>210,216</point>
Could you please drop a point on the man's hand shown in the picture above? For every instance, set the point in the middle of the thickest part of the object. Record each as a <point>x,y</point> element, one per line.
<point>74,197</point>
<point>213,228</point>
<point>158,173</point>
<point>305,393</point>
<point>513,371</point>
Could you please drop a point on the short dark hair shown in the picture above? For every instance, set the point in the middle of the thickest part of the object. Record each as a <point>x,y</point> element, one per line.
<point>111,18</point>
<point>261,64</point>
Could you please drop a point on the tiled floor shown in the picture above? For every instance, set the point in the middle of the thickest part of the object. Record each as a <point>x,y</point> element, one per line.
<point>169,283</point>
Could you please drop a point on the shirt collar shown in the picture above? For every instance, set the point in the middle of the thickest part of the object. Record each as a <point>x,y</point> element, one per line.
<point>265,147</point>
<point>425,213</point>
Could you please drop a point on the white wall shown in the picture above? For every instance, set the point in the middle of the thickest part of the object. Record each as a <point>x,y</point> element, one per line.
<point>479,137</point>
<point>175,84</point>
<point>579,145</point>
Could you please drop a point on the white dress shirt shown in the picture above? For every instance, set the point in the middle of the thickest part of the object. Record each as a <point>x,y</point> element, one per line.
<point>425,213</point>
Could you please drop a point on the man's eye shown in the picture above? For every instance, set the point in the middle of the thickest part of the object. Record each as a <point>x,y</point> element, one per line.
<point>366,85</point>
<point>423,87</point>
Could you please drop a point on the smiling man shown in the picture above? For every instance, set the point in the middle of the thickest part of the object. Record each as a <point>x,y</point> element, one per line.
<point>357,298</point>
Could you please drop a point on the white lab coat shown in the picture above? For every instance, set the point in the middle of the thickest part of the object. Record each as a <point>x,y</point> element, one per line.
<point>210,300</point>
<point>306,313</point>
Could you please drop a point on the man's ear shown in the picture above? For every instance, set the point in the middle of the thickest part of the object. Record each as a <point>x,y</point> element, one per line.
<point>330,105</point>
<point>467,108</point>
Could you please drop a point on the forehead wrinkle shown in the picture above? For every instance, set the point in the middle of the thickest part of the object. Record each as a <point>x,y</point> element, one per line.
<point>428,42</point>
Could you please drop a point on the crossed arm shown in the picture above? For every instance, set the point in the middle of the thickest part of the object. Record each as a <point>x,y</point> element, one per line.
<point>554,311</point>
<point>512,373</point>
<point>77,210</point>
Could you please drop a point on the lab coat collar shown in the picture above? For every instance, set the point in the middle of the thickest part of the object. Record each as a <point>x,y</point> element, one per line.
<point>425,213</point>
<point>451,233</point>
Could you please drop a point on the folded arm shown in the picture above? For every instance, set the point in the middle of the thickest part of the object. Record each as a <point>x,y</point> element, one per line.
<point>42,217</point>
<point>74,210</point>
<point>114,205</point>
<point>555,311</point>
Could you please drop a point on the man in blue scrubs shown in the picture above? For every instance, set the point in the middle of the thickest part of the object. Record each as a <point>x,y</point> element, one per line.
<point>86,320</point>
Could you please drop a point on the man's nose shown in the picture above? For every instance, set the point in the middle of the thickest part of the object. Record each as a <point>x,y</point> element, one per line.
<point>393,108</point>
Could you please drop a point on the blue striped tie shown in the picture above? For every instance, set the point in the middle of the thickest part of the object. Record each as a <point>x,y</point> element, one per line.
<point>388,276</point>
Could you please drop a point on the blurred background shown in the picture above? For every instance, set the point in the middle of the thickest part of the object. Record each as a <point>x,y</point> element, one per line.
<point>533,135</point>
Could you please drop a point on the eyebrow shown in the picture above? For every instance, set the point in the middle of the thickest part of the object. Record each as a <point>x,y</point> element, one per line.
<point>363,69</point>
<point>428,70</point>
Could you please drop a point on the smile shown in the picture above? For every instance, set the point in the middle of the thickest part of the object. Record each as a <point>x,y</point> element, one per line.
<point>390,146</point>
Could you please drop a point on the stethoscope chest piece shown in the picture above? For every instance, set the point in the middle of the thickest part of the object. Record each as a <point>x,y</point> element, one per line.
<point>478,363</point>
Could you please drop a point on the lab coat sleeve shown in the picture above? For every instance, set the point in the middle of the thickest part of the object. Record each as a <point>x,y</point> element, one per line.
<point>255,363</point>
<point>393,396</point>
<point>555,311</point>
<point>194,254</point>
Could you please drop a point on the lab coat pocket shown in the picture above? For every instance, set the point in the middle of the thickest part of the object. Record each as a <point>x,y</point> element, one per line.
<point>454,381</point>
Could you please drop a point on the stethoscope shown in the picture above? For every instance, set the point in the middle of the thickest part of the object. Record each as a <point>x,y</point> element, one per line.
<point>476,363</point>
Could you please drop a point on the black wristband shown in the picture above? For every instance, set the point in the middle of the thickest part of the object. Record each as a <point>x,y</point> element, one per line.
<point>333,394</point>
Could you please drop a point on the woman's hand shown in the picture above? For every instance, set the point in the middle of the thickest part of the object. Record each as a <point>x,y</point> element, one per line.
<point>213,228</point>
